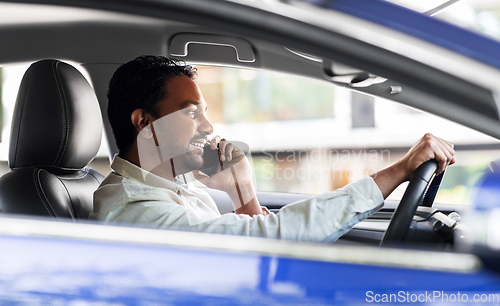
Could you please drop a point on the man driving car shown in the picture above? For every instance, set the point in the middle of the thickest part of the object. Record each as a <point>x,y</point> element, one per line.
<point>159,120</point>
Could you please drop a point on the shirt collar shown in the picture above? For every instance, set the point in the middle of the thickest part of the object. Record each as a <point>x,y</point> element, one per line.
<point>125,168</point>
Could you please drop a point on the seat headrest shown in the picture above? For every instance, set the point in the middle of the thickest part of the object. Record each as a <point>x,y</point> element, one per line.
<point>57,121</point>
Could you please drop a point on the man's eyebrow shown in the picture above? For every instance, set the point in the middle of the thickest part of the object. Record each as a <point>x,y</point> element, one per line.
<point>188,103</point>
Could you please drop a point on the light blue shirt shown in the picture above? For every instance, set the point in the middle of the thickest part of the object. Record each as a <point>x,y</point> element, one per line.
<point>132,195</point>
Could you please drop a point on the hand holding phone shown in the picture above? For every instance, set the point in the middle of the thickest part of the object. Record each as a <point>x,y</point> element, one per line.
<point>233,175</point>
<point>211,159</point>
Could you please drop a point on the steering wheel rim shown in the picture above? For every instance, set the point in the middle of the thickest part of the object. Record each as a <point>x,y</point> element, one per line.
<point>403,216</point>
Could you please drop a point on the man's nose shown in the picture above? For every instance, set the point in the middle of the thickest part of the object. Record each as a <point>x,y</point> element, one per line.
<point>205,126</point>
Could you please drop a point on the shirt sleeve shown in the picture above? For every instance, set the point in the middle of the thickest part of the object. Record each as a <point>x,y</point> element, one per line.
<point>322,218</point>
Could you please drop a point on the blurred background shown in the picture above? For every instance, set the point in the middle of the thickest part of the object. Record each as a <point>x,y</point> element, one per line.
<point>307,136</point>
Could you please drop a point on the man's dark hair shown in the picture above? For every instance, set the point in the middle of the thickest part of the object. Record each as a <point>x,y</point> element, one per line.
<point>140,83</point>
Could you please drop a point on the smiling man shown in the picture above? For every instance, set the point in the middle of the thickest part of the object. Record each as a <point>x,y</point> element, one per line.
<point>159,119</point>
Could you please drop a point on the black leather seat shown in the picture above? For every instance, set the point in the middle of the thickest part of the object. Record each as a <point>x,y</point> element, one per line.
<point>56,132</point>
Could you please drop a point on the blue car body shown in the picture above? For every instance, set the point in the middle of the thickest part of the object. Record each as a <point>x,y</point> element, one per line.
<point>52,270</point>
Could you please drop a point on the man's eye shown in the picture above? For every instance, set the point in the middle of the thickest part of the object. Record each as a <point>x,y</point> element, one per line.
<point>191,112</point>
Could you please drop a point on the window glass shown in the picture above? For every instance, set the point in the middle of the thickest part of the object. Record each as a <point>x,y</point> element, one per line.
<point>242,95</point>
<point>11,79</point>
<point>308,136</point>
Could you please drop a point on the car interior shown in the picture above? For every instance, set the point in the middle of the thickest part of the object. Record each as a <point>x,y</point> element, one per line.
<point>56,105</point>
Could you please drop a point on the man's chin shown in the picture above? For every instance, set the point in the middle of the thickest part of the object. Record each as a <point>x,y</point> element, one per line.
<point>194,162</point>
<point>197,165</point>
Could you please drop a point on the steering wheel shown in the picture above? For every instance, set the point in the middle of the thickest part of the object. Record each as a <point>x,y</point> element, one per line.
<point>414,195</point>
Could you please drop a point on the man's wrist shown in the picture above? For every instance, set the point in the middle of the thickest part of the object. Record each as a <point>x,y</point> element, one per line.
<point>388,179</point>
<point>241,194</point>
<point>252,208</point>
<point>399,172</point>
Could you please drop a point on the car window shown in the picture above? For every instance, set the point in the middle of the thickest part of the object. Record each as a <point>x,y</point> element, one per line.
<point>309,136</point>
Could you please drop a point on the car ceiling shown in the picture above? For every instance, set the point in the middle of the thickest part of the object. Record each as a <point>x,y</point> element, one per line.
<point>101,40</point>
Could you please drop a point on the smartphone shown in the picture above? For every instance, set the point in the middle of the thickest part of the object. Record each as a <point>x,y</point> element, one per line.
<point>211,161</point>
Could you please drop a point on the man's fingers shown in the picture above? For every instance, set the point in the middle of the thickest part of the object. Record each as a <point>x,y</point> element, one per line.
<point>222,149</point>
<point>446,145</point>
<point>229,151</point>
<point>214,142</point>
<point>442,154</point>
<point>438,148</point>
<point>447,150</point>
<point>451,145</point>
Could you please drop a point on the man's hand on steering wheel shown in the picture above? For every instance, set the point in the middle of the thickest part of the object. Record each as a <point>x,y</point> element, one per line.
<point>427,148</point>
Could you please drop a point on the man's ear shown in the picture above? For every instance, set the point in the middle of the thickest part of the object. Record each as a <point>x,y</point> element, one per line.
<point>141,120</point>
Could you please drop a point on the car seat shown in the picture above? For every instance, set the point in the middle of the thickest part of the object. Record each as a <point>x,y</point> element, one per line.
<point>56,132</point>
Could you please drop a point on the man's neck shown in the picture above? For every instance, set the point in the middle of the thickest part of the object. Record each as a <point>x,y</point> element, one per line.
<point>165,170</point>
